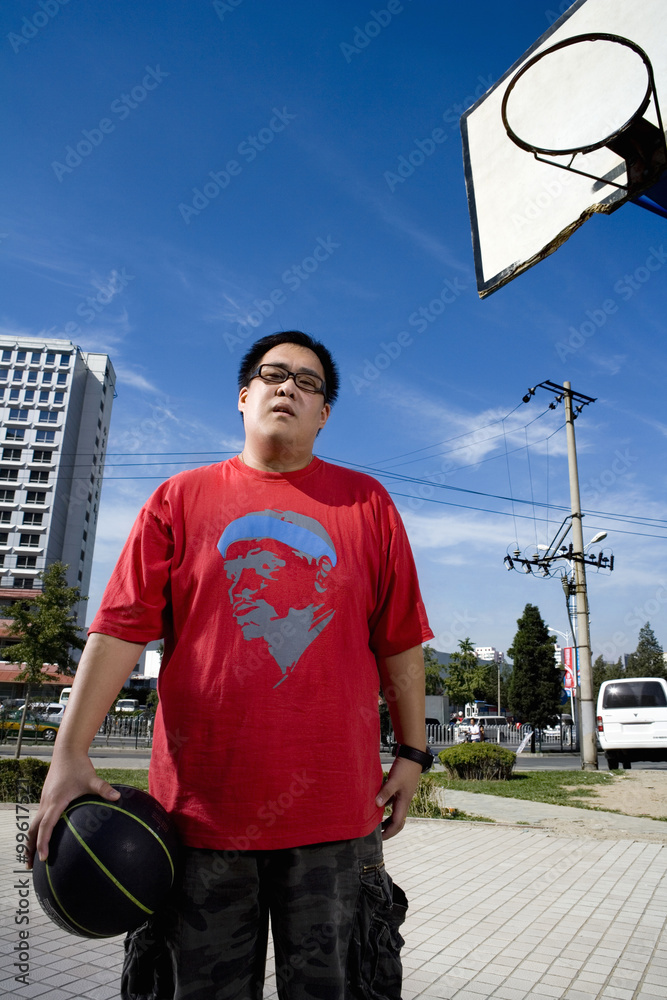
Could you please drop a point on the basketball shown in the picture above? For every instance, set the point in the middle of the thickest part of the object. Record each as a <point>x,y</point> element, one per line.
<point>110,864</point>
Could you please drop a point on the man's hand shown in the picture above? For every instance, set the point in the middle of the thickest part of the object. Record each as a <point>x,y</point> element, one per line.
<point>397,791</point>
<point>69,776</point>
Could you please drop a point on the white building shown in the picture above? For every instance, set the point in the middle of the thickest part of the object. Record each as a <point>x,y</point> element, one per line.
<point>55,409</point>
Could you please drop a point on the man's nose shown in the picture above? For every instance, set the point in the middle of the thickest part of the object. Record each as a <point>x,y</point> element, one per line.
<point>287,388</point>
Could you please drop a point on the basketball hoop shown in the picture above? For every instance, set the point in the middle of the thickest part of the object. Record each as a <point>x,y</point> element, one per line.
<point>577,94</point>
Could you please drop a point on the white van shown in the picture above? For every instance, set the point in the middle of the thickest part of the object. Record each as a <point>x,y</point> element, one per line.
<point>64,695</point>
<point>632,720</point>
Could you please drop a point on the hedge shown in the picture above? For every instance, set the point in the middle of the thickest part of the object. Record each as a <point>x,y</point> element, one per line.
<point>478,761</point>
<point>29,771</point>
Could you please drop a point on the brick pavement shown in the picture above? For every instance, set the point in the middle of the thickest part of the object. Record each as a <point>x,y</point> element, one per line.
<point>509,913</point>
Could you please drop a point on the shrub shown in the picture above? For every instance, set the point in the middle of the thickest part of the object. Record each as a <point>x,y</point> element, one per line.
<point>478,761</point>
<point>29,771</point>
<point>426,802</point>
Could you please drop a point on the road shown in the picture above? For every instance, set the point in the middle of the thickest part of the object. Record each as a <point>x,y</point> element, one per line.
<point>128,757</point>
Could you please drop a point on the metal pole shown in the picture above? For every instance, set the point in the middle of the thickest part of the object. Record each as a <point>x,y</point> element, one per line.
<point>588,742</point>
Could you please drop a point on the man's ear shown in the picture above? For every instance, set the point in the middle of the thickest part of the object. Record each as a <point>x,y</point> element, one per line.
<point>324,416</point>
<point>242,398</point>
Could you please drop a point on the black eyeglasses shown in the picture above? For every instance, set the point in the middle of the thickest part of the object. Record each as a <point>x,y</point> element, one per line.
<point>275,374</point>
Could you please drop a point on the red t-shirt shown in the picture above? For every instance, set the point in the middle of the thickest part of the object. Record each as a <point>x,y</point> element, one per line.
<point>274,593</point>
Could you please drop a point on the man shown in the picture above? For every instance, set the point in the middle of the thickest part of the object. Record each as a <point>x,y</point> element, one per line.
<point>271,567</point>
<point>475,733</point>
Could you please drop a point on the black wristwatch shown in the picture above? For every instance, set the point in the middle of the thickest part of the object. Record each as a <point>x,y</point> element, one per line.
<point>423,757</point>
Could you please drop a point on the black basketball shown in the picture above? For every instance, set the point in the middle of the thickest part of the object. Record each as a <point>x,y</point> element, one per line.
<point>110,864</point>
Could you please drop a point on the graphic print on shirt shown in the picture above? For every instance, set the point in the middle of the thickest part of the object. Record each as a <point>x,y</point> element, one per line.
<point>277,563</point>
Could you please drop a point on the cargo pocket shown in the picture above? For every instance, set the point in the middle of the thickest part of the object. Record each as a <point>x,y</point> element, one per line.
<point>147,970</point>
<point>374,969</point>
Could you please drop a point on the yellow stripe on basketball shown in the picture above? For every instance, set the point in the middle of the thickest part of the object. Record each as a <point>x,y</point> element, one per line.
<point>126,812</point>
<point>71,919</point>
<point>103,868</point>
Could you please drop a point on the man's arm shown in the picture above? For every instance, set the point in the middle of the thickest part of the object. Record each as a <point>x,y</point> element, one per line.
<point>402,679</point>
<point>105,665</point>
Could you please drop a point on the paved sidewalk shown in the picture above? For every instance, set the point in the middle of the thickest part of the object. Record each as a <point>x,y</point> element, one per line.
<point>502,912</point>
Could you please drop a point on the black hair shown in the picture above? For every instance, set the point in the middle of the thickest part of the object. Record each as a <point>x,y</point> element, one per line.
<point>254,356</point>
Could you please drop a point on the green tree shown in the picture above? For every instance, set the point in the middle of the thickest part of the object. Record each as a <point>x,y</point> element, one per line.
<point>468,678</point>
<point>603,671</point>
<point>433,670</point>
<point>536,685</point>
<point>647,659</point>
<point>48,631</point>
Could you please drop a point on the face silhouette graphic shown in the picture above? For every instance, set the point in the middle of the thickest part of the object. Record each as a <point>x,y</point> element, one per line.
<point>277,591</point>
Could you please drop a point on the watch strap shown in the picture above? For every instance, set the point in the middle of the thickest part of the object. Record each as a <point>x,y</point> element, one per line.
<point>423,757</point>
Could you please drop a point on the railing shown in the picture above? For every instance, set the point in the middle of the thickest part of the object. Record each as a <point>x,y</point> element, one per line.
<point>555,739</point>
<point>119,730</point>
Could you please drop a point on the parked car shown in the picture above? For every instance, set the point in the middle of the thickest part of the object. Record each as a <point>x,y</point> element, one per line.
<point>34,725</point>
<point>127,705</point>
<point>632,720</point>
<point>53,712</point>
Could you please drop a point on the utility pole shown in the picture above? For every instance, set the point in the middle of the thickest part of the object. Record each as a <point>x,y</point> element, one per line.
<point>577,558</point>
<point>589,751</point>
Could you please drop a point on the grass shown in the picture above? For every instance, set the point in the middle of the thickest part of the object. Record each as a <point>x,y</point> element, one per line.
<point>560,788</point>
<point>118,776</point>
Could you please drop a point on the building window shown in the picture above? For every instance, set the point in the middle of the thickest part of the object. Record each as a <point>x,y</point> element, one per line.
<point>29,541</point>
<point>20,357</point>
<point>2,560</point>
<point>4,374</point>
<point>42,456</point>
<point>85,536</point>
<point>46,417</point>
<point>62,378</point>
<point>87,515</point>
<point>24,583</point>
<point>36,358</point>
<point>34,519</point>
<point>11,454</point>
<point>18,415</point>
<point>64,360</point>
<point>14,395</point>
<point>35,496</point>
<point>58,398</point>
<point>17,376</point>
<point>37,477</point>
<point>26,562</point>
<point>28,396</point>
<point>44,395</point>
<point>47,378</point>
<point>43,437</point>
<point>5,516</point>
<point>7,496</point>
<point>32,376</point>
<point>6,357</point>
<point>9,475</point>
<point>15,434</point>
<point>83,555</point>
<point>50,358</point>
<point>4,535</point>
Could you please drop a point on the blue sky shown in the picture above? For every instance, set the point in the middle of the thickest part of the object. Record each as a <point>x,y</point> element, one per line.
<point>238,177</point>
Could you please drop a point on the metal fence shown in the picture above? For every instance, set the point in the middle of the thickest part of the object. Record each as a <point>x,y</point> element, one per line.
<point>558,738</point>
<point>125,731</point>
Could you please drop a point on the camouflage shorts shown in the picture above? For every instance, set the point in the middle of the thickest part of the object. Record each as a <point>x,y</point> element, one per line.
<point>334,913</point>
